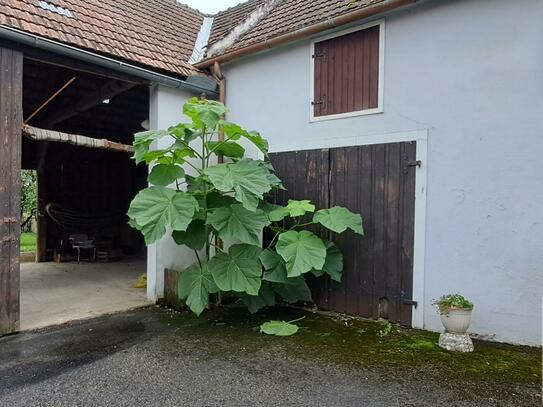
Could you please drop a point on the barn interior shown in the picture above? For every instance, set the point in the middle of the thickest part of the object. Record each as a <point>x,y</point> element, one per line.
<point>77,133</point>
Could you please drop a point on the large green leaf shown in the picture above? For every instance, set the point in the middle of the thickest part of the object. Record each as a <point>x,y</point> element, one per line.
<point>204,113</point>
<point>275,181</point>
<point>165,174</point>
<point>294,290</point>
<point>194,237</point>
<point>300,208</point>
<point>274,265</point>
<point>184,132</point>
<point>260,142</point>
<point>236,222</point>
<point>235,132</point>
<point>302,252</point>
<point>217,200</point>
<point>293,208</point>
<point>232,130</point>
<point>228,149</point>
<point>195,284</point>
<point>142,143</point>
<point>333,265</point>
<point>338,219</point>
<point>278,328</point>
<point>246,178</point>
<point>238,270</point>
<point>265,297</point>
<point>278,214</point>
<point>180,153</point>
<point>197,184</point>
<point>156,208</point>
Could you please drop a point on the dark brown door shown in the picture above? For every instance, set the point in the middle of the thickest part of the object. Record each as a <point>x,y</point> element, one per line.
<point>377,182</point>
<point>11,70</point>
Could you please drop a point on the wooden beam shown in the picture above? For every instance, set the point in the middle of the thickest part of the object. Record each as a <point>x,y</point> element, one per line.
<point>41,241</point>
<point>11,120</point>
<point>109,90</point>
<point>37,134</point>
<point>49,100</point>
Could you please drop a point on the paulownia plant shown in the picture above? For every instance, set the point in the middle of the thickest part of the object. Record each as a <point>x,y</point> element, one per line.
<point>220,212</point>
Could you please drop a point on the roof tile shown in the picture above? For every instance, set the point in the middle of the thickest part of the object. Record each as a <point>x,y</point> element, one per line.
<point>159,34</point>
<point>285,17</point>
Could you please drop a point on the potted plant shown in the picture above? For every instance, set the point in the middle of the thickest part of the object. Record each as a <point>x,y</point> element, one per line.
<point>455,311</point>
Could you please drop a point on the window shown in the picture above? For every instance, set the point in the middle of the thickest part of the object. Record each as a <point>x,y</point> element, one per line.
<point>346,73</point>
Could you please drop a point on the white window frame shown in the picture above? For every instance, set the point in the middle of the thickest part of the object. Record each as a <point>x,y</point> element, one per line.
<point>379,108</point>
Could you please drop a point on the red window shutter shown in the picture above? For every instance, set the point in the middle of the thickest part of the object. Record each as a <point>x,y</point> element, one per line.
<point>346,72</point>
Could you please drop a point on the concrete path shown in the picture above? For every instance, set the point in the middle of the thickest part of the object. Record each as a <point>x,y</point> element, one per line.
<point>155,357</point>
<point>54,293</point>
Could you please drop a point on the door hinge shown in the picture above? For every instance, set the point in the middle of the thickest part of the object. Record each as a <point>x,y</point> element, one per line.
<point>319,55</point>
<point>408,164</point>
<point>407,301</point>
<point>9,220</point>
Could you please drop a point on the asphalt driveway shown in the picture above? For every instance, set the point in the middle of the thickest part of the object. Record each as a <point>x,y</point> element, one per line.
<point>156,357</point>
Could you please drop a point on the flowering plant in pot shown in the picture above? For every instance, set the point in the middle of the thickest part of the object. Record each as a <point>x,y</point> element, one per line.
<point>455,311</point>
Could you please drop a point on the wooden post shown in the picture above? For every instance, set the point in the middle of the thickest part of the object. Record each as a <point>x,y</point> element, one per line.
<point>11,120</point>
<point>41,242</point>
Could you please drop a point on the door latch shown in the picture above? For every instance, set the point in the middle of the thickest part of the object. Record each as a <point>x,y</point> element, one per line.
<point>407,301</point>
<point>408,164</point>
<point>321,102</point>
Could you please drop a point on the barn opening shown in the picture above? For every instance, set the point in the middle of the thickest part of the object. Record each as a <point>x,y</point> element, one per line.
<point>77,132</point>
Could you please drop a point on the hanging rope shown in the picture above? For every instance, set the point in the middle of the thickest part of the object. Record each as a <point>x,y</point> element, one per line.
<point>69,218</point>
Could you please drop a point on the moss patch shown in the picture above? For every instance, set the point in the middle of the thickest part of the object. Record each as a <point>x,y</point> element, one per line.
<point>359,343</point>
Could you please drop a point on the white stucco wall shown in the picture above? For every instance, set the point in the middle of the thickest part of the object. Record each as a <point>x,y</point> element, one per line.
<point>471,73</point>
<point>165,111</point>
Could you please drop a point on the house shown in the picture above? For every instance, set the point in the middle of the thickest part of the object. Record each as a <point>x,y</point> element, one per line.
<point>421,115</point>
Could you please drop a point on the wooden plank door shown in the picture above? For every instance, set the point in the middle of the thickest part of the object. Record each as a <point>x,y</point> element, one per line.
<point>376,182</point>
<point>11,70</point>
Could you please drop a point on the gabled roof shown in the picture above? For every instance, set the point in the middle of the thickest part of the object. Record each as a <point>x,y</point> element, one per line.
<point>284,17</point>
<point>226,20</point>
<point>289,15</point>
<point>158,34</point>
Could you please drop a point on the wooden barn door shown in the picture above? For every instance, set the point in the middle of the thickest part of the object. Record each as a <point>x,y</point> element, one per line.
<point>377,181</point>
<point>11,70</point>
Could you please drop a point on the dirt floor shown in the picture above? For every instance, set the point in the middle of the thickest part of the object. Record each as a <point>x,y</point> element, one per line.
<point>54,293</point>
<point>158,357</point>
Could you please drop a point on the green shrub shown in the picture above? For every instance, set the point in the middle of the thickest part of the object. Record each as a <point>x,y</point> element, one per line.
<point>227,202</point>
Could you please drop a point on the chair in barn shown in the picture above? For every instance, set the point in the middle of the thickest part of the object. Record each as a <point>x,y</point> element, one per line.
<point>81,242</point>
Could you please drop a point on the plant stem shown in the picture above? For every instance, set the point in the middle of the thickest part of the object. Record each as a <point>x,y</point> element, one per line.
<point>273,240</point>
<point>301,225</point>
<point>196,153</point>
<point>198,258</point>
<point>217,146</point>
<point>204,166</point>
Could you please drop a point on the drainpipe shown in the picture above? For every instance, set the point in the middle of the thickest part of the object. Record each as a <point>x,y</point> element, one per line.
<point>359,14</point>
<point>35,41</point>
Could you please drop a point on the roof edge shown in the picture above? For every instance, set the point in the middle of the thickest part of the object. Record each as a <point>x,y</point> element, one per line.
<point>307,31</point>
<point>36,41</point>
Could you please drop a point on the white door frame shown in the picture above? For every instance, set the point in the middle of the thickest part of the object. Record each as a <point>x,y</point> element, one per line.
<point>419,245</point>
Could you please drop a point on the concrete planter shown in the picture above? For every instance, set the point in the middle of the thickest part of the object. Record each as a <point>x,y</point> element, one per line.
<point>456,320</point>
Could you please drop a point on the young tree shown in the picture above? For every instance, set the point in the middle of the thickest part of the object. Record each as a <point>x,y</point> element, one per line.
<point>29,196</point>
<point>227,202</point>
